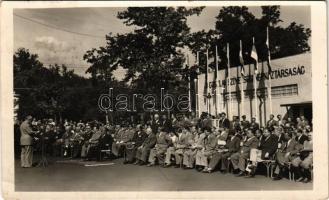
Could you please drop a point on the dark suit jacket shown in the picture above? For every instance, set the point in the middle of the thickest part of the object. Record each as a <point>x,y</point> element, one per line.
<point>251,143</point>
<point>224,123</point>
<point>254,126</point>
<point>139,138</point>
<point>150,141</point>
<point>302,139</point>
<point>167,125</point>
<point>233,145</point>
<point>269,145</point>
<point>155,125</point>
<point>293,147</point>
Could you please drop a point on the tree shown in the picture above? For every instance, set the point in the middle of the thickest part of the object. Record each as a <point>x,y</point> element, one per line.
<point>152,53</point>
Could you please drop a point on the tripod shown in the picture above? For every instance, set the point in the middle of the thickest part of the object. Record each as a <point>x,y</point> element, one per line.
<point>43,162</point>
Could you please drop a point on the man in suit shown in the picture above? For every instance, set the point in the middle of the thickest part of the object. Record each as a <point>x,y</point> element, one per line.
<point>224,123</point>
<point>166,124</point>
<point>26,141</point>
<point>162,143</point>
<point>236,127</point>
<point>300,137</point>
<point>271,123</point>
<point>239,159</point>
<point>136,142</point>
<point>143,151</point>
<point>156,123</point>
<point>232,146</point>
<point>208,149</point>
<point>254,126</point>
<point>195,143</point>
<point>287,153</point>
<point>244,123</point>
<point>268,144</point>
<point>181,146</point>
<point>124,138</point>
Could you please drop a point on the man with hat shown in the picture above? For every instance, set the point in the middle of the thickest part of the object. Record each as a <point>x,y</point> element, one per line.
<point>26,141</point>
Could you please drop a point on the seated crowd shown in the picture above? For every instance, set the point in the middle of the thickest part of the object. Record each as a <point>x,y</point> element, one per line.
<point>190,142</point>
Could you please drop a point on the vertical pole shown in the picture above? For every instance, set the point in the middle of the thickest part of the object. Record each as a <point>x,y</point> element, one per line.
<point>229,82</point>
<point>269,72</point>
<point>217,85</point>
<point>197,86</point>
<point>256,102</point>
<point>208,104</point>
<point>242,84</point>
<point>189,84</point>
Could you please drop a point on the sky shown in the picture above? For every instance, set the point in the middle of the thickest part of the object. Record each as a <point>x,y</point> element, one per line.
<point>63,35</point>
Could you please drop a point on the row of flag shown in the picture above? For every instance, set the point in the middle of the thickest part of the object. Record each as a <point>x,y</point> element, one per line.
<point>253,55</point>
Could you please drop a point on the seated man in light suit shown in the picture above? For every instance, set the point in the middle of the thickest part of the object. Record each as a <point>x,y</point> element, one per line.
<point>231,146</point>
<point>239,159</point>
<point>208,149</point>
<point>286,154</point>
<point>163,142</point>
<point>302,163</point>
<point>195,143</point>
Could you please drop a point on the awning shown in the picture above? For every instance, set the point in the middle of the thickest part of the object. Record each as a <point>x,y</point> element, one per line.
<point>305,103</point>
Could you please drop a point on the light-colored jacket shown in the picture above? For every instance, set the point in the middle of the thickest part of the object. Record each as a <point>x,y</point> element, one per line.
<point>26,131</point>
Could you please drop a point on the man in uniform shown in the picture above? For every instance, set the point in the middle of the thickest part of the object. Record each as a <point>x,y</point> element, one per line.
<point>144,150</point>
<point>26,141</point>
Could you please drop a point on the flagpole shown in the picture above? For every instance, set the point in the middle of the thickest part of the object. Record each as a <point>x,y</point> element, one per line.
<point>189,83</point>
<point>255,84</point>
<point>208,110</point>
<point>228,82</point>
<point>197,86</point>
<point>242,80</point>
<point>269,71</point>
<point>217,85</point>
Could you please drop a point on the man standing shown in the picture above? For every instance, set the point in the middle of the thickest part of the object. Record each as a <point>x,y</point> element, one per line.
<point>271,123</point>
<point>254,126</point>
<point>26,143</point>
<point>224,122</point>
<point>244,123</point>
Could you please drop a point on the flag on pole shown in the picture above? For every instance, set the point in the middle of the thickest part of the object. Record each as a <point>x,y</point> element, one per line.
<point>241,60</point>
<point>254,55</point>
<point>206,88</point>
<point>229,80</point>
<point>268,51</point>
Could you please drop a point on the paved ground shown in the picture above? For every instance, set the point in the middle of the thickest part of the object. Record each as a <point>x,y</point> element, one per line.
<point>114,176</point>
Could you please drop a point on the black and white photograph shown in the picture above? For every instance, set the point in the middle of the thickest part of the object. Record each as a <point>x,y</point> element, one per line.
<point>166,98</point>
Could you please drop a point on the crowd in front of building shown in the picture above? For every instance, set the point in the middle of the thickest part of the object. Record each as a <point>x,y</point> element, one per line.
<point>186,142</point>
